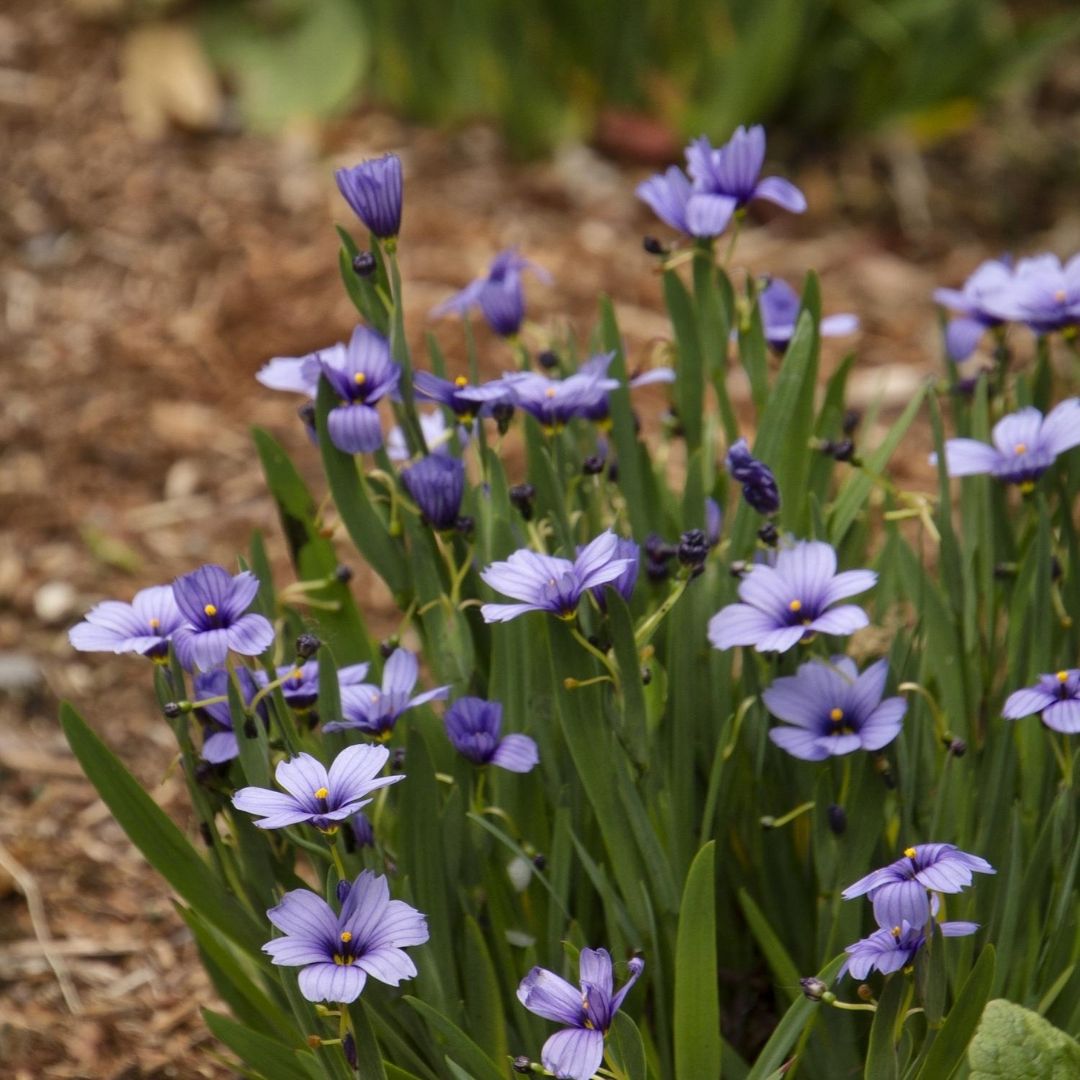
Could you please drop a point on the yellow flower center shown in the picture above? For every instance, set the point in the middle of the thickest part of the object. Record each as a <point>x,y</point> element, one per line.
<point>1027,487</point>
<point>461,381</point>
<point>895,931</point>
<point>155,624</point>
<point>296,674</point>
<point>836,715</point>
<point>210,609</point>
<point>1060,296</point>
<point>795,605</point>
<point>322,793</point>
<point>1020,448</point>
<point>343,961</point>
<point>550,392</point>
<point>359,378</point>
<point>1062,676</point>
<point>910,853</point>
<point>346,937</point>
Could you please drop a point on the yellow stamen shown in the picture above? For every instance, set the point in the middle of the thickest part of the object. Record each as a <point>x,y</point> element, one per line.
<point>836,715</point>
<point>1020,448</point>
<point>346,937</point>
<point>795,605</point>
<point>296,674</point>
<point>896,931</point>
<point>461,381</point>
<point>1062,676</point>
<point>550,392</point>
<point>155,624</point>
<point>1027,487</point>
<point>322,793</point>
<point>1060,296</point>
<point>910,853</point>
<point>359,378</point>
<point>209,609</point>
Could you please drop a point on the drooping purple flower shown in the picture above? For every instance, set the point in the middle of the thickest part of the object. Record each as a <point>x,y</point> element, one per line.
<point>498,294</point>
<point>548,583</point>
<point>901,891</point>
<point>1025,445</point>
<point>983,293</point>
<point>374,191</point>
<point>375,710</point>
<point>145,626</point>
<point>833,709</point>
<point>758,483</point>
<point>576,1051</point>
<point>779,305</point>
<point>1043,294</point>
<point>312,794</point>
<point>473,726</point>
<point>436,484</point>
<point>363,832</point>
<point>466,400</point>
<point>339,951</point>
<point>219,738</point>
<point>791,601</point>
<point>360,374</point>
<point>213,603</point>
<point>1055,697</point>
<point>301,686</point>
<point>892,948</point>
<point>722,181</point>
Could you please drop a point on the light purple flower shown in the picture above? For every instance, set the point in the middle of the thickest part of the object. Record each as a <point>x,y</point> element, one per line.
<point>374,190</point>
<point>437,484</point>
<point>339,951</point>
<point>321,798</point>
<point>213,603</point>
<point>301,686</point>
<point>779,305</point>
<point>549,583</point>
<point>597,404</point>
<point>375,710</point>
<point>554,402</point>
<point>1055,697</point>
<point>473,726</point>
<point>892,948</point>
<point>986,290</point>
<point>1025,445</point>
<point>145,626</point>
<point>465,399</point>
<point>360,374</point>
<point>722,181</point>
<point>1044,294</point>
<point>791,601</point>
<point>575,1052</point>
<point>833,709</point>
<point>625,582</point>
<point>900,891</point>
<point>219,738</point>
<point>498,294</point>
<point>295,374</point>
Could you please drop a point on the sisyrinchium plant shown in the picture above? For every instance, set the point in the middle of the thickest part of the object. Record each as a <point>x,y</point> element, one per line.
<point>648,718</point>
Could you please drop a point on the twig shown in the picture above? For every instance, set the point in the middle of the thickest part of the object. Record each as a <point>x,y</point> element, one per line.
<point>27,885</point>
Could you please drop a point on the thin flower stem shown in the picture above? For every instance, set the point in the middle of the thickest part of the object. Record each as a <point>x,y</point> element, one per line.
<point>790,816</point>
<point>853,1006</point>
<point>588,646</point>
<point>339,863</point>
<point>645,631</point>
<point>845,782</point>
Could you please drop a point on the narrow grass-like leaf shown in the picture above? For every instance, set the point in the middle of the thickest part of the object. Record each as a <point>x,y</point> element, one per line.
<point>273,1060</point>
<point>457,1043</point>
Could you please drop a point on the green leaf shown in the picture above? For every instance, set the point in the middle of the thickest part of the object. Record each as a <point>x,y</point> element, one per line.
<point>626,1047</point>
<point>270,1057</point>
<point>697,1003</point>
<point>947,1052</point>
<point>881,1063</point>
<point>369,1060</point>
<point>457,1042</point>
<point>483,1000</point>
<point>152,831</point>
<point>785,973</point>
<point>1014,1043</point>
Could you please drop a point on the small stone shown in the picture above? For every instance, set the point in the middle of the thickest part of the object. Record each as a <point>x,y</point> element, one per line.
<point>19,674</point>
<point>55,602</point>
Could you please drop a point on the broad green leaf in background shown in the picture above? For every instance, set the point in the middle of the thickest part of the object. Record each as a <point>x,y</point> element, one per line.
<point>1014,1043</point>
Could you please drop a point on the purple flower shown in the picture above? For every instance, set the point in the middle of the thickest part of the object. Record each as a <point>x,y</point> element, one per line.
<point>296,374</point>
<point>899,891</point>
<point>1026,444</point>
<point>625,582</point>
<point>436,484</point>
<point>301,686</point>
<point>375,710</point>
<point>833,709</point>
<point>213,603</point>
<point>554,402</point>
<point>722,181</point>
<point>312,794</point>
<point>498,294</point>
<point>548,583</point>
<point>466,400</point>
<point>473,726</point>
<point>145,626</point>
<point>374,191</point>
<point>983,292</point>
<point>779,305</point>
<point>360,374</point>
<point>714,521</point>
<point>339,951</point>
<point>575,1053</point>
<point>597,406</point>
<point>1056,697</point>
<point>219,738</point>
<point>758,483</point>
<point>1044,294</point>
<point>792,601</point>
<point>890,949</point>
<point>436,436</point>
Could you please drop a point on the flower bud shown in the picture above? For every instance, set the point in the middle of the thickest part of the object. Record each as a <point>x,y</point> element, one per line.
<point>172,709</point>
<point>653,246</point>
<point>387,647</point>
<point>344,887</point>
<point>307,645</point>
<point>814,988</point>
<point>837,818</point>
<point>693,548</point>
<point>548,359</point>
<point>593,466</point>
<point>348,1046</point>
<point>343,573</point>
<point>364,264</point>
<point>503,413</point>
<point>521,496</point>
<point>768,534</point>
<point>522,1064</point>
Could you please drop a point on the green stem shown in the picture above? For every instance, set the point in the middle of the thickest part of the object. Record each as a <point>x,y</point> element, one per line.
<point>645,631</point>
<point>586,644</point>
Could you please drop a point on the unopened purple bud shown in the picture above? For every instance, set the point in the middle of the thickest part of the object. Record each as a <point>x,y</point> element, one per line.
<point>364,264</point>
<point>768,534</point>
<point>343,573</point>
<point>374,191</point>
<point>956,747</point>
<point>758,483</point>
<point>539,860</point>
<point>548,359</point>
<point>837,817</point>
<point>852,419</point>
<point>348,1046</point>
<point>344,887</point>
<point>693,548</point>
<point>521,496</point>
<point>387,647</point>
<point>593,465</point>
<point>172,709</point>
<point>397,759</point>
<point>653,246</point>
<point>307,645</point>
<point>502,413</point>
<point>814,988</point>
<point>522,1065</point>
